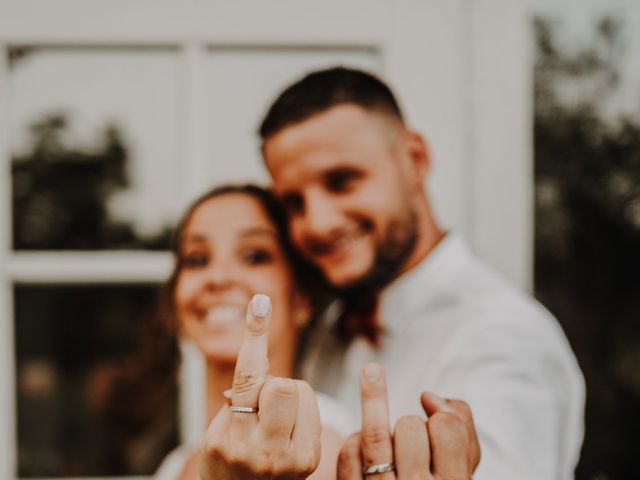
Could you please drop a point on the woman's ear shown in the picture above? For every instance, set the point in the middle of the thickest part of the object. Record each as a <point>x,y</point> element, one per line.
<point>301,311</point>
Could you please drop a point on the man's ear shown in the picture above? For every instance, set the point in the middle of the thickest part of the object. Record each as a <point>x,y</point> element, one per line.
<point>418,152</point>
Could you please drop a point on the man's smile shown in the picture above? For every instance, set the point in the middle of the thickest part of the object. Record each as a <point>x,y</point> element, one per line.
<point>339,246</point>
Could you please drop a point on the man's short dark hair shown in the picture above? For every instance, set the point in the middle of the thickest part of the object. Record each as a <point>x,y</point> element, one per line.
<point>318,91</point>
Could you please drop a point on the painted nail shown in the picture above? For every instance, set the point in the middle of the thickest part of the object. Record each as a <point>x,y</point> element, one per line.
<point>440,402</point>
<point>372,372</point>
<point>260,305</point>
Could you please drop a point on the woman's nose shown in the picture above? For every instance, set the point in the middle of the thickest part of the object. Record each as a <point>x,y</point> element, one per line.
<point>220,274</point>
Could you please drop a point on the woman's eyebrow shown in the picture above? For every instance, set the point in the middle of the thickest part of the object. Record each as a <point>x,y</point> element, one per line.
<point>258,232</point>
<point>193,238</point>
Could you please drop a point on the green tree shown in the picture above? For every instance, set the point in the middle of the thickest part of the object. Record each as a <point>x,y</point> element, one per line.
<point>587,263</point>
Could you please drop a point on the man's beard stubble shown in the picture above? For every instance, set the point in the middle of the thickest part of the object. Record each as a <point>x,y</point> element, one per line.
<point>391,254</point>
<point>359,315</point>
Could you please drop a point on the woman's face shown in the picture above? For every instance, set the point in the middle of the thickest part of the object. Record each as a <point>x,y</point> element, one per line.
<point>229,251</point>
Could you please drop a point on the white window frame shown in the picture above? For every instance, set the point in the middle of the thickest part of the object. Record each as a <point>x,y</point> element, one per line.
<point>490,172</point>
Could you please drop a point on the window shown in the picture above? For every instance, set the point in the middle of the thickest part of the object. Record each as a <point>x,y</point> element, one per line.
<point>93,169</point>
<point>107,145</point>
<point>87,406</point>
<point>94,147</point>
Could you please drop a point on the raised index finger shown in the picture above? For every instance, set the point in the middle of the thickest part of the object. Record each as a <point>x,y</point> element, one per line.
<point>252,363</point>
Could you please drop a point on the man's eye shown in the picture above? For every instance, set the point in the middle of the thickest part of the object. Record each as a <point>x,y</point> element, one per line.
<point>341,180</point>
<point>195,260</point>
<point>293,203</point>
<point>256,256</point>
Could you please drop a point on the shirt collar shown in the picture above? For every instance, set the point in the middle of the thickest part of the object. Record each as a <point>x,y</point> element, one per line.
<point>420,286</point>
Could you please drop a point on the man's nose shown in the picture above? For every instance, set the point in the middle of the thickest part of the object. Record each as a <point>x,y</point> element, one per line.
<point>322,216</point>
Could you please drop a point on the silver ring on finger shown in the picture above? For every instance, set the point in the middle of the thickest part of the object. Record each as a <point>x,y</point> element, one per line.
<point>379,468</point>
<point>237,409</point>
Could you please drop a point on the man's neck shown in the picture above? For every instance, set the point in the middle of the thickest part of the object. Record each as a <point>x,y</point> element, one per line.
<point>429,235</point>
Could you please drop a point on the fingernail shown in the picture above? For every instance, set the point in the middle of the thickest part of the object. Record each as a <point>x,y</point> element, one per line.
<point>372,372</point>
<point>260,305</point>
<point>441,402</point>
<point>227,393</point>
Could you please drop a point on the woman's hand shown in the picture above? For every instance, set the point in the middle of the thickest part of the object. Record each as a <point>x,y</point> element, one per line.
<point>444,448</point>
<point>278,433</point>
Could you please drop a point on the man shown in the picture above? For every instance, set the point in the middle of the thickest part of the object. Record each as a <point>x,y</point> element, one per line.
<point>351,175</point>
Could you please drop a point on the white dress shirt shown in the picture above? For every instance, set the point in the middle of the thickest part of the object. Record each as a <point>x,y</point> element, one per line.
<point>455,328</point>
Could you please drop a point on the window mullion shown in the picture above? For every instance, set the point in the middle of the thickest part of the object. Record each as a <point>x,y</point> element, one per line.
<point>192,401</point>
<point>192,100</point>
<point>8,446</point>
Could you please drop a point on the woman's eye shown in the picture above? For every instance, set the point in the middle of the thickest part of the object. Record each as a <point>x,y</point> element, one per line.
<point>256,257</point>
<point>195,260</point>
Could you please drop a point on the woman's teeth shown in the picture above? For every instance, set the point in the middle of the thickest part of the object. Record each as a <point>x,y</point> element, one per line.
<point>224,315</point>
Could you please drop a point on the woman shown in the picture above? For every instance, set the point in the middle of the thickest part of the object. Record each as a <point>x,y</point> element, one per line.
<point>230,245</point>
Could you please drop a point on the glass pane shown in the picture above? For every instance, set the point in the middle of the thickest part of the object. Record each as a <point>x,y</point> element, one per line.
<point>587,167</point>
<point>93,139</point>
<point>93,400</point>
<point>241,84</point>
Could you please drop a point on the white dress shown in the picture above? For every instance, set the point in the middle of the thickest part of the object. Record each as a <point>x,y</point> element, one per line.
<point>332,415</point>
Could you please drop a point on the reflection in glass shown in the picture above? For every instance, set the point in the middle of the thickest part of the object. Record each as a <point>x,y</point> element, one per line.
<point>61,194</point>
<point>93,141</point>
<point>587,167</point>
<point>86,406</point>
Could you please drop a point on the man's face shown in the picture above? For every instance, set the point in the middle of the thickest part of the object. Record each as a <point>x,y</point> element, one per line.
<point>347,184</point>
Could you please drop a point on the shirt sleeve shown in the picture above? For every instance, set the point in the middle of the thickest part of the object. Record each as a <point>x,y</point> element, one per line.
<point>526,395</point>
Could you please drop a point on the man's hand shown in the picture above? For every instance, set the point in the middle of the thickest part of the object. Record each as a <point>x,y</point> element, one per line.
<point>444,448</point>
<point>448,416</point>
<point>281,439</point>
